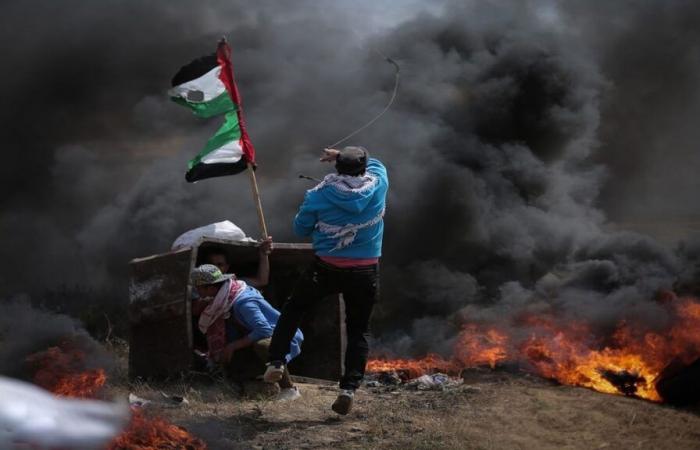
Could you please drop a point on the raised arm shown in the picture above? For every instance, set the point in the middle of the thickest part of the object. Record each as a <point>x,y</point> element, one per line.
<point>262,278</point>
<point>375,167</point>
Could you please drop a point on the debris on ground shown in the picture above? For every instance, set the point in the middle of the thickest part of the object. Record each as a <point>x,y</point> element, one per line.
<point>434,382</point>
<point>167,401</point>
<point>428,382</point>
<point>138,402</point>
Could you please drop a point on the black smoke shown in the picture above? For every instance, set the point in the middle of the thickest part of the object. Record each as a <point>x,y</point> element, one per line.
<point>26,331</point>
<point>519,127</point>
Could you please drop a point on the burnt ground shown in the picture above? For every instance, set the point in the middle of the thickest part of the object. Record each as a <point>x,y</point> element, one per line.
<point>494,410</point>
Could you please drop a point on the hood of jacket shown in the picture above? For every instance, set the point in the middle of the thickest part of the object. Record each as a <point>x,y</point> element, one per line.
<point>349,193</point>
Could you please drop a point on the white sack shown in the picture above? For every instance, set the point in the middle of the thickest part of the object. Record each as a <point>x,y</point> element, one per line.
<point>220,230</point>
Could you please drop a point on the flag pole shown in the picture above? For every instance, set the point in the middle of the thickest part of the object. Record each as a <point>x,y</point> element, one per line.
<point>223,53</point>
<point>258,203</point>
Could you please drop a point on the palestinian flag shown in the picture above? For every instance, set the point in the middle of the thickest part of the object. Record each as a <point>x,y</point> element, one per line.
<point>207,87</point>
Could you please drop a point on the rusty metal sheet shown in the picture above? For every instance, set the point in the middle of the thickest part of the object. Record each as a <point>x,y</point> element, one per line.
<point>159,335</point>
<point>160,279</point>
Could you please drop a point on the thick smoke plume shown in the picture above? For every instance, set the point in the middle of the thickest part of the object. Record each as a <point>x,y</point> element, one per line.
<point>519,127</point>
<point>26,331</point>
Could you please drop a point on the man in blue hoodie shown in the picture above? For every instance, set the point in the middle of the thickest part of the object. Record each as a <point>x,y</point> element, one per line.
<point>344,216</point>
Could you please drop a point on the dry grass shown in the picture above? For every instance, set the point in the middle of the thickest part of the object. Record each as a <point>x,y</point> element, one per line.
<point>496,411</point>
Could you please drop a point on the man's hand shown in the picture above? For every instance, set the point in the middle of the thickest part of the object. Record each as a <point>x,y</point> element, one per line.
<point>261,278</point>
<point>266,246</point>
<point>329,155</point>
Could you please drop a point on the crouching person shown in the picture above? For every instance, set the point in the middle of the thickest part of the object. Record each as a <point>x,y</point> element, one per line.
<point>236,316</point>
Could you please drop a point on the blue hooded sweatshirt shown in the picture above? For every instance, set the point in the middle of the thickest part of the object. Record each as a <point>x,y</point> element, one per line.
<point>259,318</point>
<point>344,214</point>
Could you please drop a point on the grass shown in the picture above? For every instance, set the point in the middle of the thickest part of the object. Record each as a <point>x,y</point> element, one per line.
<point>496,411</point>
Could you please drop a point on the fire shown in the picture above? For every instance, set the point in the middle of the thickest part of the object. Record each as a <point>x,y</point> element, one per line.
<point>610,370</point>
<point>414,367</point>
<point>62,370</point>
<point>146,433</point>
<point>627,362</point>
<point>476,348</point>
<point>473,348</point>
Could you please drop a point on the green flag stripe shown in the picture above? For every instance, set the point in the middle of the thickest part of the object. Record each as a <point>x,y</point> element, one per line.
<point>229,131</point>
<point>218,105</point>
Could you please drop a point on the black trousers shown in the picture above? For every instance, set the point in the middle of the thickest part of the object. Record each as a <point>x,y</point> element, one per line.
<point>360,289</point>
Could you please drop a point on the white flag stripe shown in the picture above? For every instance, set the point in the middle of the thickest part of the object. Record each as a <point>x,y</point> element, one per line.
<point>231,152</point>
<point>204,88</point>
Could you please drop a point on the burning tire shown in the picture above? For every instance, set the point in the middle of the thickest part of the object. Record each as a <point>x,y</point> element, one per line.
<point>679,384</point>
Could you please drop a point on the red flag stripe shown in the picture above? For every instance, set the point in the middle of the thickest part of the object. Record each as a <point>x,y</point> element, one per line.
<point>223,56</point>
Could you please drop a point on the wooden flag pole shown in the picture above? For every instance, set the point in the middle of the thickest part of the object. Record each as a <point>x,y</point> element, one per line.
<point>256,198</point>
<point>223,54</point>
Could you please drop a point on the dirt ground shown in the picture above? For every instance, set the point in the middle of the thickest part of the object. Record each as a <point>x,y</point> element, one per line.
<point>494,410</point>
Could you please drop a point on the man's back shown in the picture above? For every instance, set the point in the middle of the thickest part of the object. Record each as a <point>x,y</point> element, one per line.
<point>344,214</point>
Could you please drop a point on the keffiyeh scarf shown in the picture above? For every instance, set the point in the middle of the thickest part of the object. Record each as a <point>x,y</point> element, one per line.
<point>212,321</point>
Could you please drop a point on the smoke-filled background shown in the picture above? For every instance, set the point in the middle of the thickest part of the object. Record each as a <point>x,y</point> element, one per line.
<point>527,140</point>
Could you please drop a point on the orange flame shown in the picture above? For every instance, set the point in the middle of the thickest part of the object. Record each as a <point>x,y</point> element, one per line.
<point>413,367</point>
<point>639,357</point>
<point>62,371</point>
<point>570,362</point>
<point>476,348</point>
<point>145,433</point>
<point>628,362</point>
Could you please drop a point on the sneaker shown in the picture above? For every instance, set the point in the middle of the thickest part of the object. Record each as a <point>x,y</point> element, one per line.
<point>343,404</point>
<point>288,394</point>
<point>274,372</point>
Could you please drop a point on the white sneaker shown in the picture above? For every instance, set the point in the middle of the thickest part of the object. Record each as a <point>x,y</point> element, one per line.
<point>288,394</point>
<point>274,372</point>
<point>343,404</point>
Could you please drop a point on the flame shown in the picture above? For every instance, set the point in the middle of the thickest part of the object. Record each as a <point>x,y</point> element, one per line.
<point>626,362</point>
<point>473,348</point>
<point>610,370</point>
<point>144,433</point>
<point>62,370</point>
<point>477,348</point>
<point>413,367</point>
